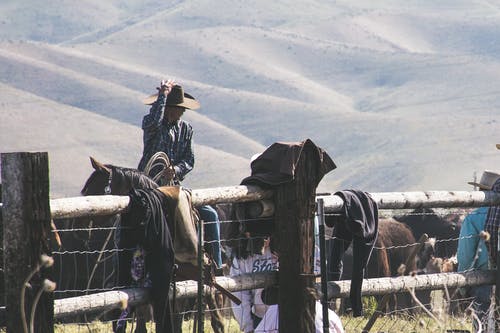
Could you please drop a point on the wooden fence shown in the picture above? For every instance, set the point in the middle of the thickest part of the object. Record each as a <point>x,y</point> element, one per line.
<point>27,212</point>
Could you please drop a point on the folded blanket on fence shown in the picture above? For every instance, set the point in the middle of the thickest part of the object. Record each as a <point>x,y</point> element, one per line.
<point>356,223</point>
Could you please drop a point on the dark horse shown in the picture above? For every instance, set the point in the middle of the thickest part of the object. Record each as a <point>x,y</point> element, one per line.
<point>110,179</point>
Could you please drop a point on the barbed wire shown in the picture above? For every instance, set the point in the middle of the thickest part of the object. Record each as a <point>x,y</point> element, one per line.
<point>93,290</point>
<point>116,250</point>
<point>348,322</point>
<point>408,245</point>
<point>415,211</point>
<point>246,238</point>
<point>89,229</point>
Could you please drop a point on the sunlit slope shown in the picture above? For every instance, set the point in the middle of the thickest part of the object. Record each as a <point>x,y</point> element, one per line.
<point>70,135</point>
<point>402,94</point>
<point>98,87</point>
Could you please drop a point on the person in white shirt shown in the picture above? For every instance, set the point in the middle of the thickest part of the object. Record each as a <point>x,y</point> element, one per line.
<point>270,322</point>
<point>253,314</point>
<point>259,259</point>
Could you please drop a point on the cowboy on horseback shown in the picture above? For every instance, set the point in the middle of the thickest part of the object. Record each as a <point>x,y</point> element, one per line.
<point>168,152</point>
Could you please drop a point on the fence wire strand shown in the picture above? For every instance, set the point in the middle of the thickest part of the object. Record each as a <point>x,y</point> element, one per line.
<point>398,317</point>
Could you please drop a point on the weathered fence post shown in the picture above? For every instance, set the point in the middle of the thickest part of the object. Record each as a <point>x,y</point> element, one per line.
<point>324,278</point>
<point>201,316</point>
<point>496,312</point>
<point>26,233</point>
<point>294,214</point>
<point>2,282</point>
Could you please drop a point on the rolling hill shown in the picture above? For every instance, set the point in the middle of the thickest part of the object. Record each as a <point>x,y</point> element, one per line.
<point>403,95</point>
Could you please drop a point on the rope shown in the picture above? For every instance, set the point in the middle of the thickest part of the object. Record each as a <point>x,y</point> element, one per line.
<point>159,159</point>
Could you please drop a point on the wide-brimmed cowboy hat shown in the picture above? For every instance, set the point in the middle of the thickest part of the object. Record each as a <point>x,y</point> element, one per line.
<point>487,181</point>
<point>176,97</point>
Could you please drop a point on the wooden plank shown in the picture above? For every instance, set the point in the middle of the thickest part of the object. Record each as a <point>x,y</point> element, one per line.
<point>430,199</point>
<point>111,204</point>
<point>26,212</point>
<point>102,302</point>
<point>189,289</point>
<point>242,193</point>
<point>109,300</point>
<point>294,215</point>
<point>341,289</point>
<point>107,205</point>
<point>96,205</point>
<point>380,286</point>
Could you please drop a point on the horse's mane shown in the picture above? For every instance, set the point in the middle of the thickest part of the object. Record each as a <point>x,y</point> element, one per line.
<point>123,178</point>
<point>137,179</point>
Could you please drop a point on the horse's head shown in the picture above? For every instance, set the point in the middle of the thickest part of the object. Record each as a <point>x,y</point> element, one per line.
<point>110,179</point>
<point>98,180</point>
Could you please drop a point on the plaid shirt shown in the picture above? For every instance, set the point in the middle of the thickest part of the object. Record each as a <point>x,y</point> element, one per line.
<point>492,225</point>
<point>173,139</point>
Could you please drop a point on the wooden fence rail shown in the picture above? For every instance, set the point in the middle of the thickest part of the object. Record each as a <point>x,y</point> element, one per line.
<point>429,199</point>
<point>110,204</point>
<point>110,300</point>
<point>105,205</point>
<point>15,166</point>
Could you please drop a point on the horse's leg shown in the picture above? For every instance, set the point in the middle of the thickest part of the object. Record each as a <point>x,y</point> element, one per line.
<point>143,314</point>
<point>216,319</point>
<point>119,323</point>
<point>222,302</point>
<point>177,317</point>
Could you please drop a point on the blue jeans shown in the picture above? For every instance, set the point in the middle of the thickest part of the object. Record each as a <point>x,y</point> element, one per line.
<point>212,231</point>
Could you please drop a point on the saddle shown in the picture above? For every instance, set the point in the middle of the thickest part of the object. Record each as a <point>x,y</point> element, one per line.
<point>185,220</point>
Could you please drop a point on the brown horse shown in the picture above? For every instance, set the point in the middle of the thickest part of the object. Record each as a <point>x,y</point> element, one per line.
<point>114,180</point>
<point>392,249</point>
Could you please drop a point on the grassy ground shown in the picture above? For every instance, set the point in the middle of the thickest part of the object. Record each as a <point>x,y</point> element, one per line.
<point>398,322</point>
<point>420,324</point>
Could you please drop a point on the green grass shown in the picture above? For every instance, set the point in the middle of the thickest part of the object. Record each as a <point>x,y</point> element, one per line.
<point>419,324</point>
<point>396,322</point>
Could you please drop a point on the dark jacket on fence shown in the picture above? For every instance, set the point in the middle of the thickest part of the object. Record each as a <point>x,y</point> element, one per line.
<point>276,165</point>
<point>145,224</point>
<point>356,223</point>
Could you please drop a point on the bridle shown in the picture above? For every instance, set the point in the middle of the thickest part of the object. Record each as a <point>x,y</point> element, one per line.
<point>107,188</point>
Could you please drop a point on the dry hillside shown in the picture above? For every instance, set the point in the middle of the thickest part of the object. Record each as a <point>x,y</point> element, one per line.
<point>403,95</point>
